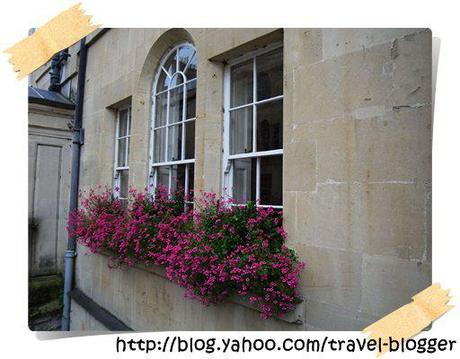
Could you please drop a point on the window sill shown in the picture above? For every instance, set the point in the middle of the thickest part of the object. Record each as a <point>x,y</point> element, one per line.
<point>296,316</point>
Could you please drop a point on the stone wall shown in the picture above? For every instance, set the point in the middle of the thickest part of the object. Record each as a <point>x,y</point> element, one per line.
<point>357,168</point>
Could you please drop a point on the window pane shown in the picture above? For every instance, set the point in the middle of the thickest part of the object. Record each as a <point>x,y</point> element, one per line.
<point>175,143</point>
<point>185,55</point>
<point>162,174</point>
<point>176,101</point>
<point>178,178</point>
<point>189,139</point>
<point>163,81</point>
<point>190,71</point>
<point>159,139</point>
<point>191,181</point>
<point>124,183</point>
<point>244,180</point>
<point>191,100</point>
<point>241,130</point>
<point>161,106</point>
<point>270,74</point>
<point>123,123</point>
<point>270,126</point>
<point>241,84</point>
<point>121,158</point>
<point>271,180</point>
<point>170,64</point>
<point>177,79</point>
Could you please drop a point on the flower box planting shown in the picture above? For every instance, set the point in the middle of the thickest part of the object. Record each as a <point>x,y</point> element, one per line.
<point>215,250</point>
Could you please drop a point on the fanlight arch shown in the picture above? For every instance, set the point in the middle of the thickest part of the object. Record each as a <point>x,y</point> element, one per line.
<point>173,120</point>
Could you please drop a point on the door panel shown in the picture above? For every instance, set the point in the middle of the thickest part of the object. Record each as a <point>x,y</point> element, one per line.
<point>45,212</point>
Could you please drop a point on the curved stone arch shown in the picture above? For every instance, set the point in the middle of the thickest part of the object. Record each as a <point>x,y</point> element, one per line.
<point>142,104</point>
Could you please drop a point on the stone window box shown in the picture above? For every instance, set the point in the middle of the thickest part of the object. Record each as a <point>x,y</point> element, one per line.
<point>296,316</point>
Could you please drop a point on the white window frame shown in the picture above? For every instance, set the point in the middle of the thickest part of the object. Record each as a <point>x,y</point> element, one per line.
<point>118,169</point>
<point>227,167</point>
<point>154,166</point>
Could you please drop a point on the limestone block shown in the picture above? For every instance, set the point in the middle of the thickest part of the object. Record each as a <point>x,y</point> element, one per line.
<point>332,276</point>
<point>299,166</point>
<point>330,88</point>
<point>393,145</point>
<point>412,69</point>
<point>322,316</point>
<point>302,46</point>
<point>394,216</point>
<point>331,217</point>
<point>389,283</point>
<point>396,147</point>
<point>336,43</point>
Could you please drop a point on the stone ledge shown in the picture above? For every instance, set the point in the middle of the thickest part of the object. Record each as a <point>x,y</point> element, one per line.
<point>296,316</point>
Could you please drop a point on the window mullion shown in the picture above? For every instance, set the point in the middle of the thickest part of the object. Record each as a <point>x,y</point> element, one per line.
<point>254,107</point>
<point>167,127</point>
<point>169,179</point>
<point>186,186</point>
<point>184,96</point>
<point>258,180</point>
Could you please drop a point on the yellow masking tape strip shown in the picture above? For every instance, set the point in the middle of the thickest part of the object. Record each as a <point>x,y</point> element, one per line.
<point>57,34</point>
<point>411,318</point>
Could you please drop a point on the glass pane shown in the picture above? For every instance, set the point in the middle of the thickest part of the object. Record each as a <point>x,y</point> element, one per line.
<point>121,158</point>
<point>178,178</point>
<point>159,139</point>
<point>270,126</point>
<point>176,104</point>
<point>163,81</point>
<point>162,173</point>
<point>176,80</point>
<point>161,107</point>
<point>190,71</point>
<point>170,64</point>
<point>241,84</point>
<point>189,139</point>
<point>124,184</point>
<point>185,55</point>
<point>191,100</point>
<point>271,180</point>
<point>191,181</point>
<point>123,123</point>
<point>244,180</point>
<point>175,143</point>
<point>270,74</point>
<point>241,130</point>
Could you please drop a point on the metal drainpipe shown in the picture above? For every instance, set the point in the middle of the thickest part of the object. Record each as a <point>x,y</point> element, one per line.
<point>77,141</point>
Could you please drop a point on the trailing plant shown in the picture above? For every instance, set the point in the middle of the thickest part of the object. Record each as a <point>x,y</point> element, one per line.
<point>214,251</point>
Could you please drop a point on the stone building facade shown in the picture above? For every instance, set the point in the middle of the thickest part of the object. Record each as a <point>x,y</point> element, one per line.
<point>355,179</point>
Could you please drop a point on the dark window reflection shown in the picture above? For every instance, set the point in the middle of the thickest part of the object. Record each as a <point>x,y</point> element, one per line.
<point>271,180</point>
<point>270,74</point>
<point>163,176</point>
<point>241,84</point>
<point>189,139</point>
<point>244,180</point>
<point>241,130</point>
<point>176,104</point>
<point>175,143</point>
<point>178,178</point>
<point>191,181</point>
<point>191,100</point>
<point>270,126</point>
<point>124,175</point>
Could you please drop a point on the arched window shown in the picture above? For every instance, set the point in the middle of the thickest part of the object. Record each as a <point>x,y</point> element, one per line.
<point>173,123</point>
